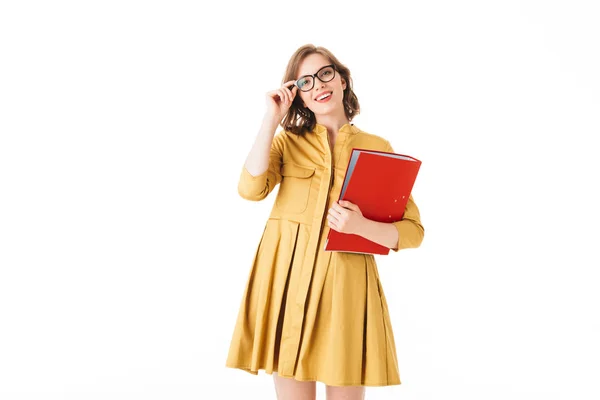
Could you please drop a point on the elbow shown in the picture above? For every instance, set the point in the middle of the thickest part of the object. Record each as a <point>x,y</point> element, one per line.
<point>410,229</point>
<point>251,195</point>
<point>418,236</point>
<point>252,187</point>
<point>410,234</point>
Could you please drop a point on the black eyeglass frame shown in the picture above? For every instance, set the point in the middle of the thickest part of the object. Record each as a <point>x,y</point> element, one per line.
<point>315,76</point>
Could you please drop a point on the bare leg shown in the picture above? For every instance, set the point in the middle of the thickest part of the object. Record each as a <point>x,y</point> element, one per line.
<point>345,392</point>
<point>291,389</point>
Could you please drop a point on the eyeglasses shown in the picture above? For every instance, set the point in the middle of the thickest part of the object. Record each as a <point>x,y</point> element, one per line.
<point>307,82</point>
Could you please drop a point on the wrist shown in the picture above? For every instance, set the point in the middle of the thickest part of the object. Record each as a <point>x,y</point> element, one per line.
<point>364,226</point>
<point>271,120</point>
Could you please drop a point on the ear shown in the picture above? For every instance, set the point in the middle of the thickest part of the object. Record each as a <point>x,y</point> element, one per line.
<point>343,84</point>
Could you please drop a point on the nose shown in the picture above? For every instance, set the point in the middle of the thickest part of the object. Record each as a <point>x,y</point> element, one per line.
<point>318,84</point>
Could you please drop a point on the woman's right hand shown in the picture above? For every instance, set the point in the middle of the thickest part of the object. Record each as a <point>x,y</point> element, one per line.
<point>280,100</point>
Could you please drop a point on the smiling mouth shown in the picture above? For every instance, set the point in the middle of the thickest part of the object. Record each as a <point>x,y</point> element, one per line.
<point>324,96</point>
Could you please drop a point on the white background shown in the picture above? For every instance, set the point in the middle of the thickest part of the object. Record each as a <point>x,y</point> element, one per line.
<point>124,246</point>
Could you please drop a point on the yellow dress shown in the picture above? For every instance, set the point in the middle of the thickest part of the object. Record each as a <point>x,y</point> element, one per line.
<point>306,313</point>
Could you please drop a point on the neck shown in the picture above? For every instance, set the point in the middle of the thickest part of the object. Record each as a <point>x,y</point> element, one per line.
<point>333,123</point>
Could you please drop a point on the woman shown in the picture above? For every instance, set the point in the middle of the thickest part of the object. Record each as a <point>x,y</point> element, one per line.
<point>308,315</point>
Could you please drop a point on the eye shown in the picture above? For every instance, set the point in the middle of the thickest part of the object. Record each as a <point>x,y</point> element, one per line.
<point>326,72</point>
<point>303,82</point>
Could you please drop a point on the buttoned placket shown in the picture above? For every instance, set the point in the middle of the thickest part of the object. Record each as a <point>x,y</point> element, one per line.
<point>290,340</point>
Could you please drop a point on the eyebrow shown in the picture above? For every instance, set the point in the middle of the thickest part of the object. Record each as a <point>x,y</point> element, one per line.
<point>318,69</point>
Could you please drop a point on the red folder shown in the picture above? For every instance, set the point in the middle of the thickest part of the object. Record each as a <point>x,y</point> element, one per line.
<point>379,183</point>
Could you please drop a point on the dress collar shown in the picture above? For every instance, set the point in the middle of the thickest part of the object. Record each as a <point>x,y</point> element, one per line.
<point>348,128</point>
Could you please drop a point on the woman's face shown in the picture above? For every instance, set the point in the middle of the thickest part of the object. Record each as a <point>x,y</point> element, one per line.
<point>313,98</point>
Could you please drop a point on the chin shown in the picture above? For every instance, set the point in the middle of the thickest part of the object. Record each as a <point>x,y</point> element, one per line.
<point>326,106</point>
<point>327,109</point>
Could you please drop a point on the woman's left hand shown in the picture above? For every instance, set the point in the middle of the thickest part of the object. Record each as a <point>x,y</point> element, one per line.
<point>345,217</point>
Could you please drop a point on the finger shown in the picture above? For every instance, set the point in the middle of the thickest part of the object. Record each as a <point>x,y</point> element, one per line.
<point>274,94</point>
<point>293,92</point>
<point>282,96</point>
<point>332,217</point>
<point>347,204</point>
<point>338,208</point>
<point>286,96</point>
<point>289,94</point>
<point>289,84</point>
<point>337,214</point>
<point>292,86</point>
<point>333,225</point>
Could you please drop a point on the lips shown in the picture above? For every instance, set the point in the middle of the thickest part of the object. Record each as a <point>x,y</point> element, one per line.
<point>323,96</point>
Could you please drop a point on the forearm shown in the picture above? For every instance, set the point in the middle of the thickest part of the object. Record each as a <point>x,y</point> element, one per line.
<point>383,233</point>
<point>257,161</point>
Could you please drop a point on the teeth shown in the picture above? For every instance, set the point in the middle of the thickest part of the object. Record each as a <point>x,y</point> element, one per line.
<point>323,96</point>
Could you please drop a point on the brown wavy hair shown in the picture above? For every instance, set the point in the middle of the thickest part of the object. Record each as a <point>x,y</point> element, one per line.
<point>300,120</point>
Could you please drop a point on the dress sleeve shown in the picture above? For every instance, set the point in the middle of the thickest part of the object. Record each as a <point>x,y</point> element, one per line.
<point>257,187</point>
<point>410,229</point>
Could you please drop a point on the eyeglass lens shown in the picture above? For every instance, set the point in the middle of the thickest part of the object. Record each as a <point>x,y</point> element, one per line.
<point>326,74</point>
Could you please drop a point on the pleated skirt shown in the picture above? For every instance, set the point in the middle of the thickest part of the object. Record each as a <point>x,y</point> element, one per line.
<point>338,333</point>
